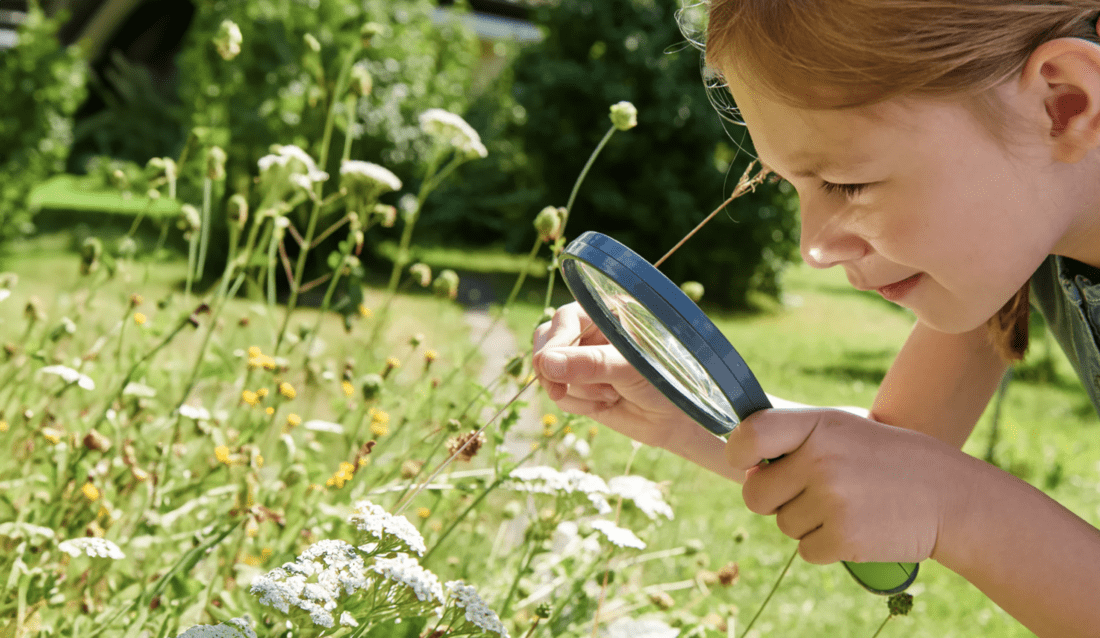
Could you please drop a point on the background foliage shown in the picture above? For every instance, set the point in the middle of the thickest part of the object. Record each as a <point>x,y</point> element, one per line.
<point>42,83</point>
<point>652,184</point>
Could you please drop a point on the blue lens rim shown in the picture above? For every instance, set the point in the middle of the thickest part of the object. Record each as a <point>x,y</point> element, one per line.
<point>677,313</point>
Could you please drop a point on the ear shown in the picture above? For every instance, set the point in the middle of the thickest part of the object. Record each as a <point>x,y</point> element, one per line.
<point>1065,75</point>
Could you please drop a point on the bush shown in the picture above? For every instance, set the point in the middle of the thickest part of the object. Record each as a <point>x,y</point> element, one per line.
<point>42,84</point>
<point>652,184</point>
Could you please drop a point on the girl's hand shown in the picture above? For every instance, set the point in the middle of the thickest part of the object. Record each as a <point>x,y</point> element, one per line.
<point>847,488</point>
<point>593,379</point>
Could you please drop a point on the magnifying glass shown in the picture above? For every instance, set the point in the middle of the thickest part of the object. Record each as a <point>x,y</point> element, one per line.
<point>669,340</point>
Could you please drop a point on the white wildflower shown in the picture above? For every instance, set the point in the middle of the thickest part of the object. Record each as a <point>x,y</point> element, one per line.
<point>237,628</point>
<point>315,425</point>
<point>580,446</point>
<point>347,620</point>
<point>4,293</point>
<point>228,40</point>
<point>452,129</point>
<point>315,581</point>
<point>547,480</point>
<point>567,541</point>
<point>135,389</point>
<point>290,164</point>
<point>404,569</point>
<point>644,493</point>
<point>618,535</point>
<point>650,628</point>
<point>34,533</point>
<point>70,376</point>
<point>94,547</point>
<point>377,522</point>
<point>477,612</point>
<point>357,175</point>
<point>195,412</point>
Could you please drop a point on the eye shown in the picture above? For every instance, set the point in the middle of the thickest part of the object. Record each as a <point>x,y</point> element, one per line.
<point>849,191</point>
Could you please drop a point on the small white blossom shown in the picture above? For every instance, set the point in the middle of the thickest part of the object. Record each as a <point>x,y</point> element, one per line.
<point>94,547</point>
<point>374,520</point>
<point>33,533</point>
<point>477,612</point>
<point>618,535</point>
<point>404,569</point>
<point>347,620</point>
<point>195,412</point>
<point>135,389</point>
<point>228,40</point>
<point>644,493</point>
<point>4,293</point>
<point>356,174</point>
<point>547,480</point>
<point>237,628</point>
<point>452,129</point>
<point>292,164</point>
<point>315,581</point>
<point>580,446</point>
<point>650,628</point>
<point>567,541</point>
<point>315,425</point>
<point>70,376</point>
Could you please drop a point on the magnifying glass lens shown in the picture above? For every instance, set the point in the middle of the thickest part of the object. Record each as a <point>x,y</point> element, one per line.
<point>653,340</point>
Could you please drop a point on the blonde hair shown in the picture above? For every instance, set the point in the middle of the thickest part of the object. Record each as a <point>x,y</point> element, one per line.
<point>833,54</point>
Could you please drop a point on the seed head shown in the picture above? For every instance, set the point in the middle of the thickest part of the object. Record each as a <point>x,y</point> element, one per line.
<point>446,284</point>
<point>548,223</point>
<point>900,604</point>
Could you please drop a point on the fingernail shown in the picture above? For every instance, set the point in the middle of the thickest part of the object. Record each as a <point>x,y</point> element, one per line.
<point>553,364</point>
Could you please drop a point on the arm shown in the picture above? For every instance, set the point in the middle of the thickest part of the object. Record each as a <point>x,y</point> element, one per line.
<point>939,384</point>
<point>1034,558</point>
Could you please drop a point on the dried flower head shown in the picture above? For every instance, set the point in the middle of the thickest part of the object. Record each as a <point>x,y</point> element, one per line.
<point>466,446</point>
<point>729,574</point>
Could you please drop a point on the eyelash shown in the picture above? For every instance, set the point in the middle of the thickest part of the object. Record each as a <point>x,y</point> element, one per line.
<point>847,190</point>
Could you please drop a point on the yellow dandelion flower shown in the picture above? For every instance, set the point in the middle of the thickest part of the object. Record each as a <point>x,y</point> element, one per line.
<point>592,432</point>
<point>103,512</point>
<point>349,389</point>
<point>251,560</point>
<point>393,362</point>
<point>269,410</point>
<point>423,512</point>
<point>268,362</point>
<point>287,390</point>
<point>254,352</point>
<point>262,392</point>
<point>379,429</point>
<point>3,426</point>
<point>363,460</point>
<point>567,429</point>
<point>547,432</point>
<point>365,311</point>
<point>266,553</point>
<point>293,420</point>
<point>259,460</point>
<point>315,487</point>
<point>549,420</point>
<point>331,482</point>
<point>430,356</point>
<point>379,416</point>
<point>91,492</point>
<point>255,363</point>
<point>139,318</point>
<point>250,397</point>
<point>222,454</point>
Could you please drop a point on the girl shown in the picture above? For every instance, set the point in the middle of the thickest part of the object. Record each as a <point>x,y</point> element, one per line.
<point>947,155</point>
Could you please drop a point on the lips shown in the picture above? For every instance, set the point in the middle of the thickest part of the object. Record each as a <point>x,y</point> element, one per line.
<point>898,290</point>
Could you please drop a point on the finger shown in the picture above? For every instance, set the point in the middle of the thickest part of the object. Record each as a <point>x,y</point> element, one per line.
<point>565,326</point>
<point>541,335</point>
<point>819,547</point>
<point>594,392</point>
<point>583,407</point>
<point>586,365</point>
<point>772,487</point>
<point>769,434</point>
<point>798,517</point>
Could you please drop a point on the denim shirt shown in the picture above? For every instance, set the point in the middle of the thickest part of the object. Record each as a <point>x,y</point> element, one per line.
<point>1067,293</point>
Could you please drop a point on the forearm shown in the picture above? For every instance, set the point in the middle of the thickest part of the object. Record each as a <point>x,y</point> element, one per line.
<point>1033,557</point>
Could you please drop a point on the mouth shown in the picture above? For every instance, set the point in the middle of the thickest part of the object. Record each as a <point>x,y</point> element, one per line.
<point>898,290</point>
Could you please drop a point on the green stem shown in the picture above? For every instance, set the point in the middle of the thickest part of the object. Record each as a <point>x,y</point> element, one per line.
<point>207,198</point>
<point>192,250</point>
<point>879,631</point>
<point>524,564</point>
<point>774,587</point>
<point>584,173</point>
<point>311,228</point>
<point>328,298</point>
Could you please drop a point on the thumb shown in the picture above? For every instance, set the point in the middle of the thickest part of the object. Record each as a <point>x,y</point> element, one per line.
<point>584,364</point>
<point>769,434</point>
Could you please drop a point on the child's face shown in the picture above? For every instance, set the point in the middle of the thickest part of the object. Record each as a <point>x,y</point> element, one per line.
<point>944,202</point>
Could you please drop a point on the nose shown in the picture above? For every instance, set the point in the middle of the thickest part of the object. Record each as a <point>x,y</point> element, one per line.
<point>826,239</point>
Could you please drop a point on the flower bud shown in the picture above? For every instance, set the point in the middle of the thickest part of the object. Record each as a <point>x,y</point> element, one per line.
<point>423,273</point>
<point>624,116</point>
<point>361,81</point>
<point>215,163</point>
<point>33,311</point>
<point>163,168</point>
<point>238,210</point>
<point>446,284</point>
<point>90,252</point>
<point>693,290</point>
<point>514,367</point>
<point>228,40</point>
<point>369,31</point>
<point>371,385</point>
<point>548,223</point>
<point>126,247</point>
<point>190,220</point>
<point>311,43</point>
<point>416,339</point>
<point>96,441</point>
<point>387,215</point>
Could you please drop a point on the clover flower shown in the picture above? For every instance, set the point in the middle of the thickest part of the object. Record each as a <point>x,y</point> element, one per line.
<point>70,376</point>
<point>315,582</point>
<point>618,535</point>
<point>388,529</point>
<point>644,493</point>
<point>477,612</point>
<point>237,628</point>
<point>404,570</point>
<point>94,547</point>
<point>547,480</point>
<point>448,128</point>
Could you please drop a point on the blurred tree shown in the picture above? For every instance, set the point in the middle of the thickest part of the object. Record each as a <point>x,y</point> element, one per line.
<point>652,184</point>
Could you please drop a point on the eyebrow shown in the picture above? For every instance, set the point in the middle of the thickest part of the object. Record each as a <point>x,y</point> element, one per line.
<point>819,165</point>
